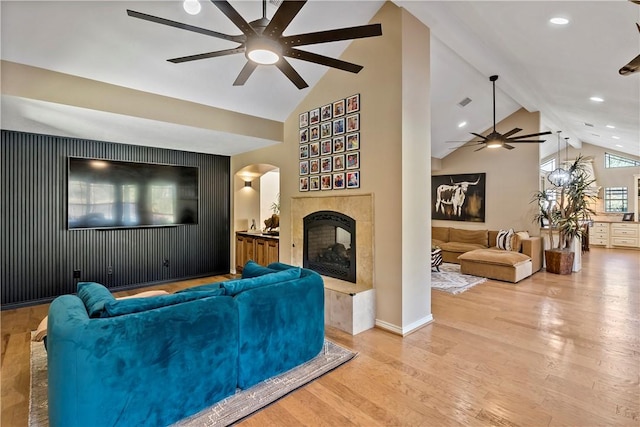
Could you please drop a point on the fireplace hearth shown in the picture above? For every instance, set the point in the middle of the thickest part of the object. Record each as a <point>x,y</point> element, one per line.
<point>330,245</point>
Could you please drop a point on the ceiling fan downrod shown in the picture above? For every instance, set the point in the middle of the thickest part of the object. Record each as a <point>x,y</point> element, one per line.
<point>493,79</point>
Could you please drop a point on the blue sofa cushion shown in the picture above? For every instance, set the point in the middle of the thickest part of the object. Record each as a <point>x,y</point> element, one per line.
<point>94,296</point>
<point>203,288</point>
<point>137,305</point>
<point>234,287</point>
<point>253,269</point>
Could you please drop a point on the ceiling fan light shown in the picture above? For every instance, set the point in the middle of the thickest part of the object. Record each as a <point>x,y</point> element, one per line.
<point>559,20</point>
<point>263,56</point>
<point>192,7</point>
<point>263,51</point>
<point>494,144</point>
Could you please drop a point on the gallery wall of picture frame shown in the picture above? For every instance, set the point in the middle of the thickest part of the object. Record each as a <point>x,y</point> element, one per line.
<point>329,146</point>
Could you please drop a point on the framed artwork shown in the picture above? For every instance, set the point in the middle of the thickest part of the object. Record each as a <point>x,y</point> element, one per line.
<point>314,183</point>
<point>338,181</point>
<point>304,136</point>
<point>314,149</point>
<point>353,160</point>
<point>314,133</point>
<point>353,122</point>
<point>353,179</point>
<point>314,116</point>
<point>304,183</point>
<point>314,166</point>
<point>353,103</point>
<point>338,126</point>
<point>353,141</point>
<point>628,216</point>
<point>325,182</point>
<point>338,162</point>
<point>325,164</point>
<point>325,130</point>
<point>325,147</point>
<point>338,144</point>
<point>338,108</point>
<point>304,167</point>
<point>459,197</point>
<point>325,112</point>
<point>304,151</point>
<point>303,120</point>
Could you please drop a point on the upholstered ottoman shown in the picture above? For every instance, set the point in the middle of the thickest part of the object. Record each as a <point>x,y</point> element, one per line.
<point>496,264</point>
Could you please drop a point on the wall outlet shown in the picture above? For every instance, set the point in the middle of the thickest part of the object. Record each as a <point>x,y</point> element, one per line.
<point>165,263</point>
<point>76,274</point>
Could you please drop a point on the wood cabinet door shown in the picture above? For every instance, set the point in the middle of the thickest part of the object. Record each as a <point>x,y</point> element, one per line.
<point>273,251</point>
<point>249,249</point>
<point>240,257</point>
<point>261,252</point>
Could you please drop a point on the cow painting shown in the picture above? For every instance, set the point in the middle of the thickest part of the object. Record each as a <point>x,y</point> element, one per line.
<point>458,197</point>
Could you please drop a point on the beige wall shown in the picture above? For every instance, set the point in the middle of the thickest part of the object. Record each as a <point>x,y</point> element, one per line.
<point>511,181</point>
<point>394,135</point>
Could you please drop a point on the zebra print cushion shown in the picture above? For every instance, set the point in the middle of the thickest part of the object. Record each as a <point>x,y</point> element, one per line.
<point>504,239</point>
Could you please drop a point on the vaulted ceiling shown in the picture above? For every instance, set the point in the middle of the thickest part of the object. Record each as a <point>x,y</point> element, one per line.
<point>542,67</point>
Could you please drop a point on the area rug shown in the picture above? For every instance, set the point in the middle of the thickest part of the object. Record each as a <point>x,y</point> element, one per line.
<point>450,280</point>
<point>227,411</point>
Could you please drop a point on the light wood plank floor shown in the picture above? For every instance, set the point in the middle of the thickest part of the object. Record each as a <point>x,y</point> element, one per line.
<point>550,351</point>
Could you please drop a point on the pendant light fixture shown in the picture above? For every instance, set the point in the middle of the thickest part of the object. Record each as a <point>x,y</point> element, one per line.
<point>560,176</point>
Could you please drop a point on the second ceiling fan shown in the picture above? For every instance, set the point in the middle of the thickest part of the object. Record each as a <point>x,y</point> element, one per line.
<point>262,41</point>
<point>495,139</point>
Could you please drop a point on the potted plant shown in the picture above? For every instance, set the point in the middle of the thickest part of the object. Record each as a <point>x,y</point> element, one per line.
<point>566,213</point>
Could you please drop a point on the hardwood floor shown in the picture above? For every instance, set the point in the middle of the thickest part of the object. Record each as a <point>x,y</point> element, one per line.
<point>550,351</point>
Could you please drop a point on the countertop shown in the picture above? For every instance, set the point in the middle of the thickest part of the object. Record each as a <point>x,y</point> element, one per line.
<point>258,234</point>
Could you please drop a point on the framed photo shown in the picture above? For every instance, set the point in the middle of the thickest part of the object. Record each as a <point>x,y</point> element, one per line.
<point>353,141</point>
<point>353,160</point>
<point>314,116</point>
<point>304,183</point>
<point>314,149</point>
<point>338,126</point>
<point>325,112</point>
<point>303,120</point>
<point>353,179</point>
<point>338,144</point>
<point>325,130</point>
<point>338,181</point>
<point>338,108</point>
<point>314,166</point>
<point>325,147</point>
<point>353,122</point>
<point>304,136</point>
<point>325,182</point>
<point>304,167</point>
<point>314,133</point>
<point>325,164</point>
<point>628,216</point>
<point>469,201</point>
<point>314,183</point>
<point>338,162</point>
<point>353,103</point>
<point>304,151</point>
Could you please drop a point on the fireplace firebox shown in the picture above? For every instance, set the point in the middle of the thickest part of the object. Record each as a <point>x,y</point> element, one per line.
<point>329,246</point>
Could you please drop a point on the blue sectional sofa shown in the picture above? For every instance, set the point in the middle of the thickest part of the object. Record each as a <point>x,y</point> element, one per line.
<point>154,361</point>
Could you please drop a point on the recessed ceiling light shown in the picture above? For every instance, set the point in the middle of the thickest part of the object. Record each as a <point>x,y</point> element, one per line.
<point>559,21</point>
<point>192,7</point>
<point>615,137</point>
<point>596,99</point>
<point>462,124</point>
<point>611,126</point>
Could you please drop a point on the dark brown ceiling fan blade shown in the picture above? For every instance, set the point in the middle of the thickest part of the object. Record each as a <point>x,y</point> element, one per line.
<point>286,68</point>
<point>481,148</point>
<point>282,18</point>
<point>514,138</point>
<point>350,33</point>
<point>235,17</point>
<point>515,141</point>
<point>508,147</point>
<point>478,135</point>
<point>322,60</point>
<point>632,67</point>
<point>246,71</point>
<point>511,132</point>
<point>158,20</point>
<point>207,55</point>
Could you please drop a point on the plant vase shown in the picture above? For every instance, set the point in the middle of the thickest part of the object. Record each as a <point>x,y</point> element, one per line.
<point>559,261</point>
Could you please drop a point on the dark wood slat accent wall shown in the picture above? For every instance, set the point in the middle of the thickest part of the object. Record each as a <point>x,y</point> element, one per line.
<point>39,254</point>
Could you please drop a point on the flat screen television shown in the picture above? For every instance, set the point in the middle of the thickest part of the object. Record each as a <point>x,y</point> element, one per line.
<point>113,194</point>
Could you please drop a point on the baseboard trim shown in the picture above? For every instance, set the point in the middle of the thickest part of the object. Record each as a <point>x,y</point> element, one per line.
<point>390,327</point>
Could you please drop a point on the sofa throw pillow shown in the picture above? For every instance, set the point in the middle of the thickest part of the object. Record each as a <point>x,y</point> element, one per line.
<point>137,305</point>
<point>253,269</point>
<point>504,241</point>
<point>234,287</point>
<point>94,296</point>
<point>518,237</point>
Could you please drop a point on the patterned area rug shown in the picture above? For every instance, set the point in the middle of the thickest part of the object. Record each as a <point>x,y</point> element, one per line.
<point>450,280</point>
<point>227,411</point>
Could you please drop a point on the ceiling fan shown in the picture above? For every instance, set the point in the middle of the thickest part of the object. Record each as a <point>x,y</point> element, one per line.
<point>634,65</point>
<point>262,41</point>
<point>496,139</point>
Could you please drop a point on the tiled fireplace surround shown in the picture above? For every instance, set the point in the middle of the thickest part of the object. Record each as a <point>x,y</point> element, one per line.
<point>348,306</point>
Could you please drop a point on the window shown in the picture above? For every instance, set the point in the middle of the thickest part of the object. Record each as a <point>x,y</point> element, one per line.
<point>613,161</point>
<point>548,166</point>
<point>615,199</point>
